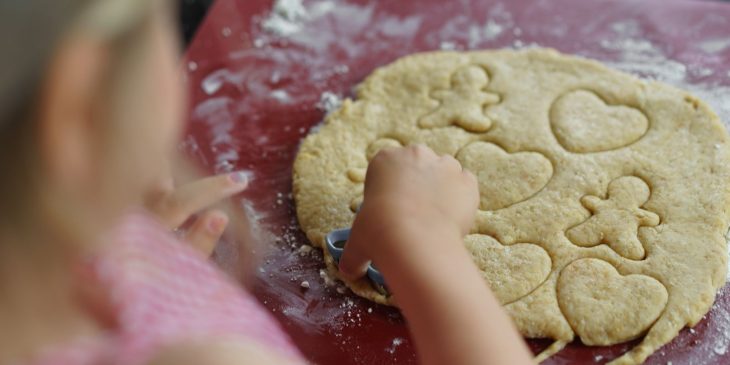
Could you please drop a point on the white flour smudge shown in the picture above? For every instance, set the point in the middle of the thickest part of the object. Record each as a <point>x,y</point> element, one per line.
<point>289,16</point>
<point>216,79</point>
<point>491,30</point>
<point>329,102</point>
<point>394,345</point>
<point>286,18</point>
<point>637,55</point>
<point>714,46</point>
<point>499,20</point>
<point>216,112</point>
<point>281,96</point>
<point>447,46</point>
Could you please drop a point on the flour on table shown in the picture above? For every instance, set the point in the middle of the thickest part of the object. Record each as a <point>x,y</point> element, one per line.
<point>281,95</point>
<point>394,345</point>
<point>636,54</point>
<point>447,46</point>
<point>289,16</point>
<point>329,102</point>
<point>715,46</point>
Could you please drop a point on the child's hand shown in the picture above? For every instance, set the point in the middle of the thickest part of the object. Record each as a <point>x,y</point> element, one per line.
<point>175,205</point>
<point>417,209</point>
<point>410,193</point>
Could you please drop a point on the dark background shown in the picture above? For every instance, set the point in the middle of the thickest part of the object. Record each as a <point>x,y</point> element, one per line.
<point>192,13</point>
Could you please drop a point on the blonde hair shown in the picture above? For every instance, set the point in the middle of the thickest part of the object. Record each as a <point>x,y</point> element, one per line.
<point>30,31</point>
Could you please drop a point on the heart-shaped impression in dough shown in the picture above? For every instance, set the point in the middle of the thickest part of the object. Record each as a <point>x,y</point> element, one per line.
<point>582,122</point>
<point>512,271</point>
<point>504,178</point>
<point>605,308</point>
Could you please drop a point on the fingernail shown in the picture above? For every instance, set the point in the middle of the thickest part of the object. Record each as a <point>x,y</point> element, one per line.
<point>239,178</point>
<point>217,224</point>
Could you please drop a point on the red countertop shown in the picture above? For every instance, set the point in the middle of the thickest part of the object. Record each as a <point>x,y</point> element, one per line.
<point>254,95</point>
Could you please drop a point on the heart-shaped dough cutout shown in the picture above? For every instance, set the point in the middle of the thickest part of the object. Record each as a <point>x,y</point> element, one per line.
<point>582,122</point>
<point>505,178</point>
<point>605,308</point>
<point>512,271</point>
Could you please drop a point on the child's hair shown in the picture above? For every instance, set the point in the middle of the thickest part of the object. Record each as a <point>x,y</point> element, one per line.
<point>30,31</point>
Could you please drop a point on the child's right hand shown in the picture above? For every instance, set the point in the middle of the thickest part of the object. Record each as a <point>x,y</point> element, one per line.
<point>410,193</point>
<point>417,208</point>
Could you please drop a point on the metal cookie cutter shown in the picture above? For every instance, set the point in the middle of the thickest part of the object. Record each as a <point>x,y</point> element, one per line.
<point>336,246</point>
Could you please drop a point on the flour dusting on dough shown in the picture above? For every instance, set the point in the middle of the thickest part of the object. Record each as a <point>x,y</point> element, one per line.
<point>626,274</point>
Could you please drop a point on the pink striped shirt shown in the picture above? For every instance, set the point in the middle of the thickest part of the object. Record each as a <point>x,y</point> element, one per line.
<point>164,292</point>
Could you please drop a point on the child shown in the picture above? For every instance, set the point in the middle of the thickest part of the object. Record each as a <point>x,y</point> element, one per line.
<point>90,114</point>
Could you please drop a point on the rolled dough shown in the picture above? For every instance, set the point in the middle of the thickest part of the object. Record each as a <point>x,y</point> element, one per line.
<point>604,198</point>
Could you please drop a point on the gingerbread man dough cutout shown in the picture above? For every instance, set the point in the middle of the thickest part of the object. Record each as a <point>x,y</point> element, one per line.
<point>464,103</point>
<point>616,220</point>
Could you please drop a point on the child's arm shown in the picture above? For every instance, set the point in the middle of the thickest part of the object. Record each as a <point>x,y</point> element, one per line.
<point>417,209</point>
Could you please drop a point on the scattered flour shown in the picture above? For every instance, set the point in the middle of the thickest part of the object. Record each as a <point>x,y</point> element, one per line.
<point>715,46</point>
<point>329,102</point>
<point>281,95</point>
<point>224,162</point>
<point>289,16</point>
<point>216,79</point>
<point>447,46</point>
<point>499,20</point>
<point>720,347</point>
<point>328,280</point>
<point>491,30</point>
<point>341,69</point>
<point>304,250</point>
<point>286,17</point>
<point>394,345</point>
<point>637,55</point>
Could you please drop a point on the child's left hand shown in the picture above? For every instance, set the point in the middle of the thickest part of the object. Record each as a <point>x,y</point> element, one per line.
<point>175,205</point>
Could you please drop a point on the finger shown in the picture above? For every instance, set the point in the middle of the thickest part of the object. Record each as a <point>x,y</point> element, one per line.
<point>157,192</point>
<point>471,179</point>
<point>205,233</point>
<point>198,195</point>
<point>384,153</point>
<point>422,150</point>
<point>451,162</point>
<point>354,262</point>
<point>472,184</point>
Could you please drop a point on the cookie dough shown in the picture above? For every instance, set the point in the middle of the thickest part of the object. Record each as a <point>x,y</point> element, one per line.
<point>604,198</point>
